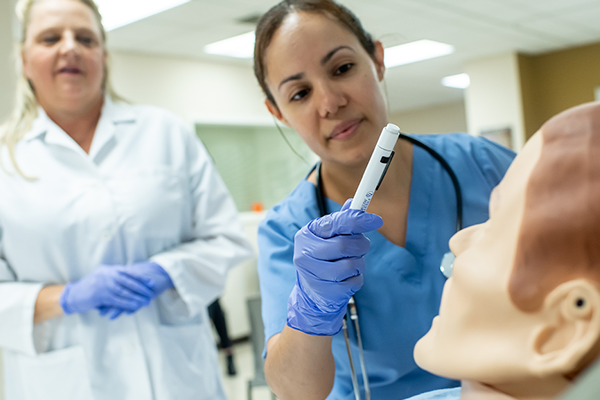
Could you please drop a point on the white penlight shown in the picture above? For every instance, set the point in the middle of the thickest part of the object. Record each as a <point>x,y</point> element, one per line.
<point>460,81</point>
<point>116,13</point>
<point>241,46</point>
<point>415,51</point>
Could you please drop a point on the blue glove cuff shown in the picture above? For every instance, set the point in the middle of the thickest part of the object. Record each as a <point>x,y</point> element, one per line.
<point>63,299</point>
<point>305,317</point>
<point>168,282</point>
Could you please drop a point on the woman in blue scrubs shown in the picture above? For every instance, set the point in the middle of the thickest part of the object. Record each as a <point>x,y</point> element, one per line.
<point>321,73</point>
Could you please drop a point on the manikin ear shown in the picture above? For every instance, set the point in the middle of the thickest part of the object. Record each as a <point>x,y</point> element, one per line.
<point>378,59</point>
<point>275,112</point>
<point>569,329</point>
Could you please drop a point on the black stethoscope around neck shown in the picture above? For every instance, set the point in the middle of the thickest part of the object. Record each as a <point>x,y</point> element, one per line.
<point>445,267</point>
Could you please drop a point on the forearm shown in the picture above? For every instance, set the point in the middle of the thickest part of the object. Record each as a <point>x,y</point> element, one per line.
<point>47,305</point>
<point>299,366</point>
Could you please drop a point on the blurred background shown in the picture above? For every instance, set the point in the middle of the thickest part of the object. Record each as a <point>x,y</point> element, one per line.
<point>497,68</point>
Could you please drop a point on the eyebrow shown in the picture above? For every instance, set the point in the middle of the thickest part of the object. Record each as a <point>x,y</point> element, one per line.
<point>77,30</point>
<point>324,60</point>
<point>291,78</point>
<point>332,52</point>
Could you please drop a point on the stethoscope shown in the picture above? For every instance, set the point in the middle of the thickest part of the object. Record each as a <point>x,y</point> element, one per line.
<point>445,266</point>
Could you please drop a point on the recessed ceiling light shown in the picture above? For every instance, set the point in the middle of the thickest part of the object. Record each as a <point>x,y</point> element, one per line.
<point>460,81</point>
<point>415,51</point>
<point>241,46</point>
<point>116,13</point>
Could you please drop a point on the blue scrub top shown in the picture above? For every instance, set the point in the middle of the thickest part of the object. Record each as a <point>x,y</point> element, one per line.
<point>402,285</point>
<point>442,394</point>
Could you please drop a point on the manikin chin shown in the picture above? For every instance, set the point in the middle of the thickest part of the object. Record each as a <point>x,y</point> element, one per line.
<point>520,316</point>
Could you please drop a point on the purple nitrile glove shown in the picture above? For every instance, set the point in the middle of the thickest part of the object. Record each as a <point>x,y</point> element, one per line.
<point>149,271</point>
<point>329,259</point>
<point>152,274</point>
<point>106,286</point>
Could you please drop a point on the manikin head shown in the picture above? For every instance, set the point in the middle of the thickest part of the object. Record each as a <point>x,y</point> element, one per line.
<point>521,313</point>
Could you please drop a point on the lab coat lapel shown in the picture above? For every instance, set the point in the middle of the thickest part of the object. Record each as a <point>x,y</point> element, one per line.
<point>52,134</point>
<point>56,136</point>
<point>105,137</point>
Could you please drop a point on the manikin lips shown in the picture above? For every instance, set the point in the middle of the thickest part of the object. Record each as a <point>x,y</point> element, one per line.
<point>69,70</point>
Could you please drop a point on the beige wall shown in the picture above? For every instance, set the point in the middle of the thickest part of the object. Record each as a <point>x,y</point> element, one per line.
<point>555,81</point>
<point>441,118</point>
<point>493,100</point>
<point>7,74</point>
<point>194,90</point>
<point>210,92</point>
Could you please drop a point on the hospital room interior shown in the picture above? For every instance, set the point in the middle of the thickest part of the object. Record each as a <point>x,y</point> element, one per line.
<point>497,69</point>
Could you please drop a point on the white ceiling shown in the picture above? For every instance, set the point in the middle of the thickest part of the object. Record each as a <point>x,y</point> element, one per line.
<point>475,27</point>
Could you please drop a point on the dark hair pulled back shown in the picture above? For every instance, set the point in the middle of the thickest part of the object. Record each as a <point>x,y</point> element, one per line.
<point>272,20</point>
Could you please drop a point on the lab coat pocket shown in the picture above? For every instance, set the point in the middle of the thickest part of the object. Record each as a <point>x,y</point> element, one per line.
<point>60,374</point>
<point>190,361</point>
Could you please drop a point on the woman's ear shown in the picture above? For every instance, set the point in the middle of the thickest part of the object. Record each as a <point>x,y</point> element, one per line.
<point>378,59</point>
<point>275,112</point>
<point>567,337</point>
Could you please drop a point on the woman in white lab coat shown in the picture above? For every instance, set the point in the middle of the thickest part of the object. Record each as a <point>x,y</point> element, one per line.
<point>105,209</point>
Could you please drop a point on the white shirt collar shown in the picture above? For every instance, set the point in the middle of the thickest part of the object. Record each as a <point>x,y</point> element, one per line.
<point>111,112</point>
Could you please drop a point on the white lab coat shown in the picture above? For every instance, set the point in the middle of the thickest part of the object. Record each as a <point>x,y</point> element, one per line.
<point>147,190</point>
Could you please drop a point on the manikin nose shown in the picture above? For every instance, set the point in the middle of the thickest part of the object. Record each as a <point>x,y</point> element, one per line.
<point>458,243</point>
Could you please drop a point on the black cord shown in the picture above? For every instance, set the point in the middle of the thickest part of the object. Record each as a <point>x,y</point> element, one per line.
<point>459,207</point>
<point>440,159</point>
<point>288,142</point>
<point>319,191</point>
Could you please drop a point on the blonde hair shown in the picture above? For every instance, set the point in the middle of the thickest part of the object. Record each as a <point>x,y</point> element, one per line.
<point>25,110</point>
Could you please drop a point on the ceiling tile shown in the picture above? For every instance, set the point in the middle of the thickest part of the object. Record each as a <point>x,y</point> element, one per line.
<point>588,17</point>
<point>145,31</point>
<point>570,32</point>
<point>477,28</point>
<point>551,6</point>
<point>195,14</point>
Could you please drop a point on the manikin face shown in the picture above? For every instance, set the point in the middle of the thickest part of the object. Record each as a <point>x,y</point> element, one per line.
<point>480,335</point>
<point>326,87</point>
<point>63,56</point>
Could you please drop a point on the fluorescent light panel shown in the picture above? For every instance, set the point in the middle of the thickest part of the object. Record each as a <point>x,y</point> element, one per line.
<point>116,13</point>
<point>460,81</point>
<point>241,46</point>
<point>415,51</point>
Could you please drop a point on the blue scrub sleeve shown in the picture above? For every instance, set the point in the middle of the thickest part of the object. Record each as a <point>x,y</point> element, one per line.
<point>493,159</point>
<point>276,251</point>
<point>276,245</point>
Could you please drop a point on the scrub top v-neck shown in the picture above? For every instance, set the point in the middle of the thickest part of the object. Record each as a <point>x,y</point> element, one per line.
<point>403,285</point>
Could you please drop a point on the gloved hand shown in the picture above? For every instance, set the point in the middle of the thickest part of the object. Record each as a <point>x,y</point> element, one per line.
<point>106,286</point>
<point>149,271</point>
<point>152,274</point>
<point>329,259</point>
